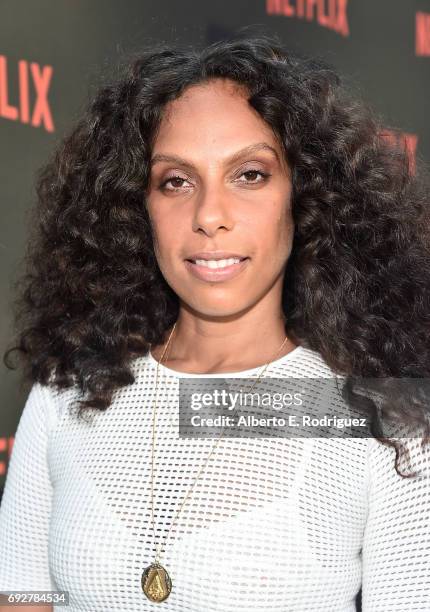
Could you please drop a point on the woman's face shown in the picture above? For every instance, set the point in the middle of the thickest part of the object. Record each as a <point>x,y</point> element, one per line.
<point>207,193</point>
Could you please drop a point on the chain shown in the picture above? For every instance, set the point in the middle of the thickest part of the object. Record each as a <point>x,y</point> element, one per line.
<point>209,456</point>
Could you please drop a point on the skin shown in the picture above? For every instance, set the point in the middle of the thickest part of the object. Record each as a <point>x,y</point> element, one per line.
<point>236,324</point>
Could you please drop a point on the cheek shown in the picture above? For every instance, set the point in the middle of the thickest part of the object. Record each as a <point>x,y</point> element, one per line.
<point>275,228</point>
<point>163,229</point>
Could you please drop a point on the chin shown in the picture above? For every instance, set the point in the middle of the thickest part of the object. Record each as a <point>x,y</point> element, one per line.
<point>217,308</point>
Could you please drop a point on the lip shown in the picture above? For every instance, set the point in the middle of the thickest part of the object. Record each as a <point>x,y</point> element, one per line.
<point>216,274</point>
<point>215,255</point>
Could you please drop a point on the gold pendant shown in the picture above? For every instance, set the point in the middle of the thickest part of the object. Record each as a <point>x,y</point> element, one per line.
<point>156,583</point>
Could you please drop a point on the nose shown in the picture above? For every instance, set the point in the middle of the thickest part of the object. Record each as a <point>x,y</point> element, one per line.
<point>213,210</point>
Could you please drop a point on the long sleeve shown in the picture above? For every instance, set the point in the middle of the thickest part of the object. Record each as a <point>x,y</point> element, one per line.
<point>396,545</point>
<point>26,503</point>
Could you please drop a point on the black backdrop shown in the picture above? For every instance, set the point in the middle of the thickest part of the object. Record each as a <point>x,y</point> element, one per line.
<point>52,56</point>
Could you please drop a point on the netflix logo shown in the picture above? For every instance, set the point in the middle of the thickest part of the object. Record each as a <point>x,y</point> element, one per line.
<point>32,104</point>
<point>422,34</point>
<point>6,445</point>
<point>326,13</point>
<point>404,141</point>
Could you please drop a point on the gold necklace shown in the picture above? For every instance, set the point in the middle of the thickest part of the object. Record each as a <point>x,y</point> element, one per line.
<point>156,582</point>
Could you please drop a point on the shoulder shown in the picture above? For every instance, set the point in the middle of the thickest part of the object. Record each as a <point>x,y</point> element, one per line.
<point>49,402</point>
<point>381,463</point>
<point>314,364</point>
<point>304,362</point>
<point>39,407</point>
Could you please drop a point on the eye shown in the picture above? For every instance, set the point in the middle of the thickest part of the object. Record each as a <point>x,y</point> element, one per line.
<point>264,175</point>
<point>175,178</point>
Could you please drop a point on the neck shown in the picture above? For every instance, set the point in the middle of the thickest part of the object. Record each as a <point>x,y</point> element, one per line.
<point>202,344</point>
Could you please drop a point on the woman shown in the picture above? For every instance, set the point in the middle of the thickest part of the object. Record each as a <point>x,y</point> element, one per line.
<point>220,213</point>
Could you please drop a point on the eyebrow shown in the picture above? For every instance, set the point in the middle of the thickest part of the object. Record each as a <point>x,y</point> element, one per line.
<point>259,146</point>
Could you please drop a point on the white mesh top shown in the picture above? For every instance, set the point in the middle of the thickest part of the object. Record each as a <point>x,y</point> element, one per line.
<point>273,524</point>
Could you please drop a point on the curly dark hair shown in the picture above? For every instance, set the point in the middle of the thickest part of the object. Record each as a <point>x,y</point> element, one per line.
<point>357,284</point>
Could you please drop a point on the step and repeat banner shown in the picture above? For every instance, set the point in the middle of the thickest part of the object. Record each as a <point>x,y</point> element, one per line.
<point>54,54</point>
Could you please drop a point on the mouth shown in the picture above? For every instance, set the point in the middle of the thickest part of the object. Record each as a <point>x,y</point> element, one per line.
<point>216,270</point>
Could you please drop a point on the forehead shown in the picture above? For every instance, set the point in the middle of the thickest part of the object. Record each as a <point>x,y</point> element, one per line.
<point>209,94</point>
<point>211,116</point>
